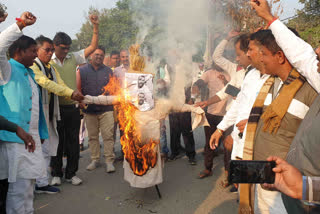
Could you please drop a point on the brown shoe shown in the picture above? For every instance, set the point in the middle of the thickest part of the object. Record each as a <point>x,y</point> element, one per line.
<point>205,173</point>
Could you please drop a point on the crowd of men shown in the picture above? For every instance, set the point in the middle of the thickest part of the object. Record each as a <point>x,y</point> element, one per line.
<point>263,107</point>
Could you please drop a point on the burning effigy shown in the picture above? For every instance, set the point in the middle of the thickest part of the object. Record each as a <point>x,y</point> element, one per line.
<point>139,118</point>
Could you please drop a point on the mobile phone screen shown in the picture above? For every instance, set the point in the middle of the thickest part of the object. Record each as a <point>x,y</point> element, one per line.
<point>231,90</point>
<point>254,172</point>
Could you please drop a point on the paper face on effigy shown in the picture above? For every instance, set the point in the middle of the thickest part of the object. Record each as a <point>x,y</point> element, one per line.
<point>140,88</point>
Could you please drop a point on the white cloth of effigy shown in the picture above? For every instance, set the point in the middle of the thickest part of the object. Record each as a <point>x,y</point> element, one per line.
<point>139,89</point>
<point>148,124</point>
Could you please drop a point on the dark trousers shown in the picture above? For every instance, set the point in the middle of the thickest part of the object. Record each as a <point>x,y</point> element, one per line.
<point>227,159</point>
<point>180,123</point>
<point>209,154</point>
<point>3,195</point>
<point>68,129</point>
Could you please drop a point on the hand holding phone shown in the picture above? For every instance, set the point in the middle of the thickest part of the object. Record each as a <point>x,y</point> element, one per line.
<point>254,172</point>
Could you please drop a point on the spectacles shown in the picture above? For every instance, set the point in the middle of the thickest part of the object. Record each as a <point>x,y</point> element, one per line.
<point>47,50</point>
<point>64,48</point>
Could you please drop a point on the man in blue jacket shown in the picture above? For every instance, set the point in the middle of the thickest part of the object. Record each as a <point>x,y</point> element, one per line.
<point>20,101</point>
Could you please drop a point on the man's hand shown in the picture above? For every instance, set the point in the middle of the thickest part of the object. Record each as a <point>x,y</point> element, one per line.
<point>29,143</point>
<point>262,8</point>
<point>288,179</point>
<point>202,104</point>
<point>232,34</point>
<point>94,19</point>
<point>190,102</point>
<point>82,105</point>
<point>28,18</point>
<point>223,79</point>
<point>241,125</point>
<point>3,18</point>
<point>214,140</point>
<point>77,96</point>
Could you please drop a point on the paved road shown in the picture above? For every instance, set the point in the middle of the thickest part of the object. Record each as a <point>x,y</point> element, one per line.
<point>182,192</point>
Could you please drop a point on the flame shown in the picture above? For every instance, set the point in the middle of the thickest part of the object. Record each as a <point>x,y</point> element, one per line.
<point>140,156</point>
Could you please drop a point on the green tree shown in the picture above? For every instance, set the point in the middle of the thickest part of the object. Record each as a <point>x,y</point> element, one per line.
<point>117,30</point>
<point>311,7</point>
<point>119,27</point>
<point>307,22</point>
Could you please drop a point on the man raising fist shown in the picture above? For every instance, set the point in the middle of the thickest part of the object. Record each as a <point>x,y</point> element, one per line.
<point>20,101</point>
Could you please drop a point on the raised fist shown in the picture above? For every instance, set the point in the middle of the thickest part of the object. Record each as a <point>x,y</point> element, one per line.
<point>28,18</point>
<point>94,19</point>
<point>262,8</point>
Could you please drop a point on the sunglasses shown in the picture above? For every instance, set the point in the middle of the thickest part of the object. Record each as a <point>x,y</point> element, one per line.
<point>47,50</point>
<point>64,48</point>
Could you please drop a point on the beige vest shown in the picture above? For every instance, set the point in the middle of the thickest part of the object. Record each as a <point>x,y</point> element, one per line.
<point>278,144</point>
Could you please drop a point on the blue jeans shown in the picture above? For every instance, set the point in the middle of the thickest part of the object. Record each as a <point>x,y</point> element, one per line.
<point>163,137</point>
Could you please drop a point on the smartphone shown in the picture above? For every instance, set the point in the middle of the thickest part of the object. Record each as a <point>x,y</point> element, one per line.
<point>232,90</point>
<point>252,172</point>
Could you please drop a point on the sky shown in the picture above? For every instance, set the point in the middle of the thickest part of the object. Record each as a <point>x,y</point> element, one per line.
<point>69,15</point>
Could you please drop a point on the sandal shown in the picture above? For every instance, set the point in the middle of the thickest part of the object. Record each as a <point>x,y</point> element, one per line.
<point>205,173</point>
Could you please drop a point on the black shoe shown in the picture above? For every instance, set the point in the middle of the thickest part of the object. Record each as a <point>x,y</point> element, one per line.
<point>47,189</point>
<point>234,189</point>
<point>173,157</point>
<point>192,161</point>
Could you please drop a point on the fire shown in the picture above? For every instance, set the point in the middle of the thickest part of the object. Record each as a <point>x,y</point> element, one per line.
<point>140,156</point>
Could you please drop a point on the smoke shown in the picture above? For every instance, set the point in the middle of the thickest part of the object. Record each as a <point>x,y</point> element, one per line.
<point>171,30</point>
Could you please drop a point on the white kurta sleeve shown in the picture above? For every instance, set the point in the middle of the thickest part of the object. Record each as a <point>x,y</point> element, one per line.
<point>222,62</point>
<point>7,37</point>
<point>100,100</point>
<point>231,116</point>
<point>299,53</point>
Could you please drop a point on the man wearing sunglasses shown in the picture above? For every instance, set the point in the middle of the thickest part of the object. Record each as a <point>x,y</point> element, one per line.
<point>52,86</point>
<point>69,125</point>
